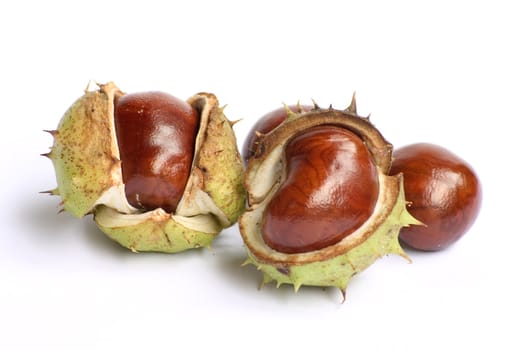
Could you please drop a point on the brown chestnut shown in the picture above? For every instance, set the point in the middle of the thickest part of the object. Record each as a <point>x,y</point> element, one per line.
<point>267,123</point>
<point>156,173</point>
<point>156,136</point>
<point>444,192</point>
<point>321,203</point>
<point>330,190</point>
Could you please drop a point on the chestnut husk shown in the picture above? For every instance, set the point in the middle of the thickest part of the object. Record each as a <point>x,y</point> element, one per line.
<point>336,264</point>
<point>88,170</point>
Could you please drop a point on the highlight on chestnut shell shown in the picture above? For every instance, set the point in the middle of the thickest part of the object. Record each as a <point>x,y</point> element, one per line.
<point>156,172</point>
<point>444,191</point>
<point>321,203</point>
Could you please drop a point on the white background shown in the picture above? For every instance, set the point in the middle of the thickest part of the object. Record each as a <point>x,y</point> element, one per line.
<point>448,72</point>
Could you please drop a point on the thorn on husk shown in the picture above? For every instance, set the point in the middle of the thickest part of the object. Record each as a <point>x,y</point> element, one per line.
<point>343,291</point>
<point>352,108</point>
<point>233,122</point>
<point>53,192</point>
<point>93,85</point>
<point>52,132</point>
<point>299,107</point>
<point>289,113</point>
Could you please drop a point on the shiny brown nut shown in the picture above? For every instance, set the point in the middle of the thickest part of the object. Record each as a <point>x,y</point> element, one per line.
<point>444,191</point>
<point>330,190</point>
<point>156,136</point>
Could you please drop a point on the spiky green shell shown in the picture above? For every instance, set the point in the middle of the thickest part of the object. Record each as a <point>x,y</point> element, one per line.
<point>84,153</point>
<point>89,176</point>
<point>333,266</point>
<point>156,230</point>
<point>336,264</point>
<point>218,160</point>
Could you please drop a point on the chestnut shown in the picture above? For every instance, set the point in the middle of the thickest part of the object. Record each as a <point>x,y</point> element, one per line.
<point>267,123</point>
<point>329,191</point>
<point>321,203</point>
<point>444,193</point>
<point>156,135</point>
<point>157,173</point>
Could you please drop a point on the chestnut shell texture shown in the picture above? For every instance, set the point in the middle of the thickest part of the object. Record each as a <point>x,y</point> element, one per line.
<point>157,173</point>
<point>321,203</point>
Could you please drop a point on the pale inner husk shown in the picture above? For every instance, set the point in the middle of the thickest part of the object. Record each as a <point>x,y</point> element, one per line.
<point>115,197</point>
<point>108,217</point>
<point>266,176</point>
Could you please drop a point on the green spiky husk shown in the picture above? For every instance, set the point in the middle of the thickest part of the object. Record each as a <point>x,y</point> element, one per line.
<point>83,158</point>
<point>160,233</point>
<point>86,157</point>
<point>336,264</point>
<point>221,167</point>
<point>338,270</point>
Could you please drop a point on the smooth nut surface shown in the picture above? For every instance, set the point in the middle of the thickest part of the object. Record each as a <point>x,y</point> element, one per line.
<point>330,190</point>
<point>444,191</point>
<point>156,137</point>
